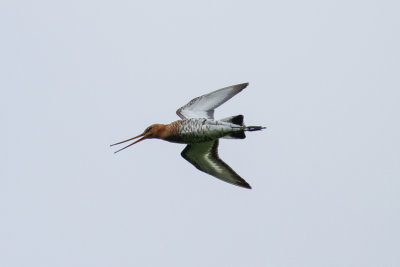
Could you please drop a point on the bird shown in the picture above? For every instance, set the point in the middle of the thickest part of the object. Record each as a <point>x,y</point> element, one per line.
<point>201,132</point>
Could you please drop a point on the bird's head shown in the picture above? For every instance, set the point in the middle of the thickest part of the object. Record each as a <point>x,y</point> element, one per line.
<point>153,131</point>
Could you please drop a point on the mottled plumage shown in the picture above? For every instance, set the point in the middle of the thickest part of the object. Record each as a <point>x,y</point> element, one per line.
<point>200,130</point>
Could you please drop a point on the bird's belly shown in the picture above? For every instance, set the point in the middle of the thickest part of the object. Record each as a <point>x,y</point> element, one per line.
<point>189,139</point>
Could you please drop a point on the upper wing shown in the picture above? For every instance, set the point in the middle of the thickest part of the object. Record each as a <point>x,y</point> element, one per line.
<point>203,106</point>
<point>204,156</point>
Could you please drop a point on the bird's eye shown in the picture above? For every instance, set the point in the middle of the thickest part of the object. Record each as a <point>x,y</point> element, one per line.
<point>148,129</point>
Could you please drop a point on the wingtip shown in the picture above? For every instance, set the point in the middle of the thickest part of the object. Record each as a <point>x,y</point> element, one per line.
<point>242,85</point>
<point>247,186</point>
<point>243,184</point>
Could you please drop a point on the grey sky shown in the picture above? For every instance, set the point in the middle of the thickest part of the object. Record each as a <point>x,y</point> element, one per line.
<point>77,76</point>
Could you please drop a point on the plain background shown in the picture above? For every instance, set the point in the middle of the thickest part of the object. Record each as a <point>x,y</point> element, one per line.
<point>77,76</point>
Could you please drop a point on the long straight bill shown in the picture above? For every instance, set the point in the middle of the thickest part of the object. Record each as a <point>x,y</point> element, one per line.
<point>144,137</point>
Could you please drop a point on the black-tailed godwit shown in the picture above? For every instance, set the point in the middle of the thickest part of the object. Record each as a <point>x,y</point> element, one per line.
<point>201,132</point>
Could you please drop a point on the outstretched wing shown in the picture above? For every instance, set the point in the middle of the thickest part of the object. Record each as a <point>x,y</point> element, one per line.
<point>203,106</point>
<point>204,156</point>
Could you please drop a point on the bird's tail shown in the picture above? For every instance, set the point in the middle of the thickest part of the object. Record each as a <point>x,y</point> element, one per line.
<point>253,128</point>
<point>239,133</point>
<point>241,128</point>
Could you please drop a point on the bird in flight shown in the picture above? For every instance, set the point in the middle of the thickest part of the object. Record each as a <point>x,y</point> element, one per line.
<point>201,132</point>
